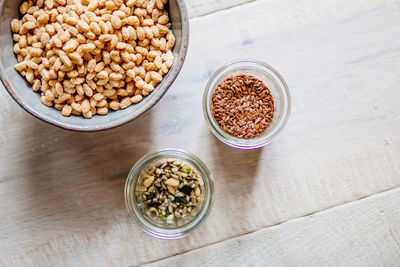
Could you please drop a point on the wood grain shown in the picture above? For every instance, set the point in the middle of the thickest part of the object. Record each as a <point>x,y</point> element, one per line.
<point>198,8</point>
<point>362,233</point>
<point>61,193</point>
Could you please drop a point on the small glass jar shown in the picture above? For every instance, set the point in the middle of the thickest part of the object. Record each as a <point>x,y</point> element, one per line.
<point>275,83</point>
<point>157,228</point>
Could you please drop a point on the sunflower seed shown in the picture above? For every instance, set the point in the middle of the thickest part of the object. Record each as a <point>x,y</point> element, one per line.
<point>159,190</point>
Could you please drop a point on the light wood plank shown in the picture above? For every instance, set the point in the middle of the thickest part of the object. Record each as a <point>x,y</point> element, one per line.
<point>198,8</point>
<point>61,193</point>
<point>362,233</point>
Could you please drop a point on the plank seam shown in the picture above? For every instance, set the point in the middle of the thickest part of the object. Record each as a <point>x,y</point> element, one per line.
<point>222,9</point>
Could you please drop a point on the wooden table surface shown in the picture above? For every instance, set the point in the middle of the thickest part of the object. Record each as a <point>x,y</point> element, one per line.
<point>326,192</point>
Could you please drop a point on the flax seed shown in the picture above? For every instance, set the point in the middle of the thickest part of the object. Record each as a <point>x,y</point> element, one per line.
<point>243,106</point>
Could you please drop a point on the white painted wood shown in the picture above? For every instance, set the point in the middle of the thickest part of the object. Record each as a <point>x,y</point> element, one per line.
<point>198,8</point>
<point>362,233</point>
<point>61,193</point>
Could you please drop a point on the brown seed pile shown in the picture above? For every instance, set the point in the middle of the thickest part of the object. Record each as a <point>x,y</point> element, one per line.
<point>170,190</point>
<point>243,106</point>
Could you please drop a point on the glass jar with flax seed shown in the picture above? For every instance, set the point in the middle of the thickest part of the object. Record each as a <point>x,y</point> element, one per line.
<point>246,104</point>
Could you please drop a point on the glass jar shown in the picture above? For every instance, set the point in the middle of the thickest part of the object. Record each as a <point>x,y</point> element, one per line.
<point>156,227</point>
<point>275,83</point>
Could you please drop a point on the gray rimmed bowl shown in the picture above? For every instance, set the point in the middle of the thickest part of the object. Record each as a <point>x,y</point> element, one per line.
<point>21,91</point>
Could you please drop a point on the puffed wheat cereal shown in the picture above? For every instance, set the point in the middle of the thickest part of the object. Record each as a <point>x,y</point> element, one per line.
<point>87,57</point>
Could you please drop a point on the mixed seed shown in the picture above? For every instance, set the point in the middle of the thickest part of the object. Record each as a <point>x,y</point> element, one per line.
<point>170,190</point>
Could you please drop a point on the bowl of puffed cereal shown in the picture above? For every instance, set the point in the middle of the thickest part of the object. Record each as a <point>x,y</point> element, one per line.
<point>90,65</point>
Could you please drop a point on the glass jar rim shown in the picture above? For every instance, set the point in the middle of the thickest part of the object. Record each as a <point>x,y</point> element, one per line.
<point>136,214</point>
<point>263,139</point>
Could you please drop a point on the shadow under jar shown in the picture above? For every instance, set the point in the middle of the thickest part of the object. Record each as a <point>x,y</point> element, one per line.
<point>148,214</point>
<point>277,87</point>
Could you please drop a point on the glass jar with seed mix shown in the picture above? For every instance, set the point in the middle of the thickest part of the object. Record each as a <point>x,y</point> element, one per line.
<point>276,113</point>
<point>169,193</point>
